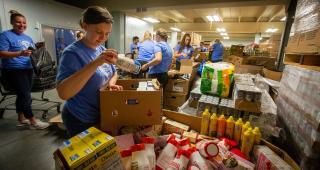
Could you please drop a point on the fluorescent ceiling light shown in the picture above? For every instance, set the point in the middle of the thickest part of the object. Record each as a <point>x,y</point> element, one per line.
<point>224,34</point>
<point>215,18</point>
<point>221,30</point>
<point>272,30</point>
<point>136,21</point>
<point>175,29</point>
<point>152,20</point>
<point>283,19</point>
<point>226,38</point>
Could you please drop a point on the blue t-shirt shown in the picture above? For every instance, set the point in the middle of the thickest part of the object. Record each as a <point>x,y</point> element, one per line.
<point>11,41</point>
<point>133,47</point>
<point>187,49</point>
<point>203,49</point>
<point>146,51</point>
<point>166,53</point>
<point>85,105</point>
<point>217,51</point>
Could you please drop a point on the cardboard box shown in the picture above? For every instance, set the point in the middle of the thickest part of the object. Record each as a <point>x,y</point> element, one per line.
<point>242,69</point>
<point>248,106</point>
<point>104,146</point>
<point>129,107</point>
<point>174,100</point>
<point>234,59</point>
<point>309,42</point>
<point>195,123</point>
<point>273,75</point>
<point>75,154</point>
<point>186,67</point>
<point>171,126</point>
<point>177,85</point>
<point>267,62</point>
<point>293,43</point>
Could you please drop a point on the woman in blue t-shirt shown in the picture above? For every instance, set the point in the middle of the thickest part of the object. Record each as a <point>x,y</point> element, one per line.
<point>86,67</point>
<point>217,51</point>
<point>159,66</point>
<point>184,50</point>
<point>146,51</point>
<point>17,70</point>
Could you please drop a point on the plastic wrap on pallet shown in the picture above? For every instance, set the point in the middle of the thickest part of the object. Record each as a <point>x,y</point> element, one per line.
<point>210,102</point>
<point>246,79</point>
<point>307,15</point>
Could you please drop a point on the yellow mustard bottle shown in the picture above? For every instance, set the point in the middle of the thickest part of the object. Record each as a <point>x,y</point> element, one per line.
<point>237,130</point>
<point>257,135</point>
<point>205,122</point>
<point>230,127</point>
<point>247,143</point>
<point>244,129</point>
<point>221,126</point>
<point>213,125</point>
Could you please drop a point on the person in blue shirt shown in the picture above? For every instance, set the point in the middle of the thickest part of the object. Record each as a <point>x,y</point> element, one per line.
<point>184,50</point>
<point>134,45</point>
<point>86,67</point>
<point>146,51</point>
<point>159,66</point>
<point>203,48</point>
<point>17,70</point>
<point>217,51</point>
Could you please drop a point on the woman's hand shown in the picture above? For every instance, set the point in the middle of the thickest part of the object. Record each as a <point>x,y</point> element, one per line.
<point>144,67</point>
<point>25,53</point>
<point>109,56</point>
<point>115,87</point>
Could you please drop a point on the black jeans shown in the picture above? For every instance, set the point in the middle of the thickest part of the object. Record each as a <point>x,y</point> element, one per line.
<point>73,124</point>
<point>141,73</point>
<point>161,77</point>
<point>20,82</point>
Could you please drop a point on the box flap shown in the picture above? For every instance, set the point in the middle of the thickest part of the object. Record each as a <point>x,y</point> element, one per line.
<point>242,69</point>
<point>186,66</point>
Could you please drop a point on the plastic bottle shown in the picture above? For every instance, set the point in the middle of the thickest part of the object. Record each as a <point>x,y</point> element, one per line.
<point>247,142</point>
<point>213,125</point>
<point>257,136</point>
<point>221,126</point>
<point>205,122</point>
<point>244,129</point>
<point>127,64</point>
<point>229,127</point>
<point>237,130</point>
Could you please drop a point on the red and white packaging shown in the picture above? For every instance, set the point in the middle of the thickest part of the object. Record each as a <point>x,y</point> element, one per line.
<point>197,160</point>
<point>139,158</point>
<point>167,155</point>
<point>185,143</point>
<point>149,150</point>
<point>181,161</point>
<point>126,158</point>
<point>207,148</point>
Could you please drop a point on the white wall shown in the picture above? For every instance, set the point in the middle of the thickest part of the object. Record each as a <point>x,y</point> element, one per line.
<point>39,12</point>
<point>135,27</point>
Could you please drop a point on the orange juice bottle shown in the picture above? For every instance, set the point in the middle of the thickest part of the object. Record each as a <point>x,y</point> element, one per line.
<point>257,136</point>
<point>205,122</point>
<point>237,130</point>
<point>229,127</point>
<point>221,126</point>
<point>213,125</point>
<point>247,142</point>
<point>244,129</point>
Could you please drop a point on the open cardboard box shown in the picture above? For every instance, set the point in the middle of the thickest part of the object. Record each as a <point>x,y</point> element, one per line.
<point>130,107</point>
<point>195,123</point>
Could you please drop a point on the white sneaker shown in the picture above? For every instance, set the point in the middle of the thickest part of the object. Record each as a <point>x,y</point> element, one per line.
<point>39,125</point>
<point>25,122</point>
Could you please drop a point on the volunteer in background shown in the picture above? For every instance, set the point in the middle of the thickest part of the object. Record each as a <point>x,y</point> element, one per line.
<point>159,66</point>
<point>134,45</point>
<point>217,51</point>
<point>184,50</point>
<point>146,50</point>
<point>17,70</point>
<point>203,48</point>
<point>85,67</point>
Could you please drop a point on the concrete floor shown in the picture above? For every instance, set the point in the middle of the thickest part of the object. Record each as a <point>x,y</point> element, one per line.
<point>24,149</point>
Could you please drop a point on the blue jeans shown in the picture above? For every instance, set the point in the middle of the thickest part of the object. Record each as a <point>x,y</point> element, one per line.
<point>73,124</point>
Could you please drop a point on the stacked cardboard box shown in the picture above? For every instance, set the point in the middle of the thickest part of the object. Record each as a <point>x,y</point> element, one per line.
<point>298,107</point>
<point>306,30</point>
